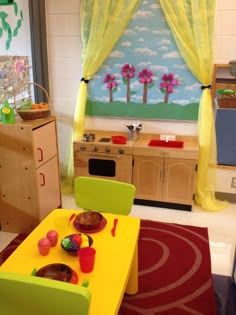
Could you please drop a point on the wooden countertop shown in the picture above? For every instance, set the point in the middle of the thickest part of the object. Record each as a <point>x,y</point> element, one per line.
<point>140,147</point>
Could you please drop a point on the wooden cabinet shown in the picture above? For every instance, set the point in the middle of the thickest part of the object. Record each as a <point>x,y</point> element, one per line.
<point>164,179</point>
<point>29,173</point>
<point>222,79</point>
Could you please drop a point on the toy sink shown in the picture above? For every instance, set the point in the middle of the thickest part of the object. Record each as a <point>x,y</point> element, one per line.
<point>166,144</point>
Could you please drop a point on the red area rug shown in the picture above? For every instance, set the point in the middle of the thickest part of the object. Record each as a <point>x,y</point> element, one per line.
<point>174,271</point>
<point>11,247</point>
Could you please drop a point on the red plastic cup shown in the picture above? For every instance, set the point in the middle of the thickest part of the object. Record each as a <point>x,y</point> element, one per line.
<point>44,246</point>
<point>52,235</point>
<point>86,257</point>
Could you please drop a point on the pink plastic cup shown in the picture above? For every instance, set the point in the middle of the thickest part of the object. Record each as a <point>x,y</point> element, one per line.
<point>52,235</point>
<point>86,257</point>
<point>44,246</point>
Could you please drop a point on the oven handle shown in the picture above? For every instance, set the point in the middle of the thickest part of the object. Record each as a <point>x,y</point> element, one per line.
<point>104,155</point>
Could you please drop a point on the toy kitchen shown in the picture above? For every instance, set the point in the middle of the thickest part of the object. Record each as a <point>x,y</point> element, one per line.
<point>163,171</point>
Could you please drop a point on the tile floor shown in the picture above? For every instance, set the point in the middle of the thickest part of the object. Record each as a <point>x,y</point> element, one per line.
<point>221,228</point>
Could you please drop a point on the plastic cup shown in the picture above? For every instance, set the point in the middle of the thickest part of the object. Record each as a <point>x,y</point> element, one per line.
<point>86,256</point>
<point>53,237</point>
<point>44,246</point>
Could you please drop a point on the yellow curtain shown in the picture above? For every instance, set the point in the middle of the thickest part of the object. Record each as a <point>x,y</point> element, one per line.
<point>102,24</point>
<point>192,25</point>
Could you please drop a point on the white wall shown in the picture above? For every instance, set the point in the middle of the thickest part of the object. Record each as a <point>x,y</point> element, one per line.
<point>64,55</point>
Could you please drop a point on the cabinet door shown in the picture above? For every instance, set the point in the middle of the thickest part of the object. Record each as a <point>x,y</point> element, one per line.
<point>48,187</point>
<point>179,181</point>
<point>147,177</point>
<point>45,145</point>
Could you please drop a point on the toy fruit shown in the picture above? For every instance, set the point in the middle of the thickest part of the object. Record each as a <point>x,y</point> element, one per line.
<point>25,105</point>
<point>77,239</point>
<point>35,106</point>
<point>43,105</point>
<point>85,241</point>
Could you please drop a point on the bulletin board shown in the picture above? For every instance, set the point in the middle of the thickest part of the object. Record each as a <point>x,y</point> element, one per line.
<point>145,75</point>
<point>14,74</point>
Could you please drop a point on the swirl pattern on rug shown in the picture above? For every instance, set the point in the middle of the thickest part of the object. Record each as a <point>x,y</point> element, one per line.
<point>174,272</point>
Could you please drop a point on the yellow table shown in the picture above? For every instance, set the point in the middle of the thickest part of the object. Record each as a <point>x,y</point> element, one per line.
<point>116,265</point>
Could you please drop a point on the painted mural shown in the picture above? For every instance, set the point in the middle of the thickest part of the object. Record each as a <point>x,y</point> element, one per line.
<point>145,75</point>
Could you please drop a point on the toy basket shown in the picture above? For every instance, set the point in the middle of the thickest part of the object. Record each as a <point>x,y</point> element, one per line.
<point>226,101</point>
<point>33,114</point>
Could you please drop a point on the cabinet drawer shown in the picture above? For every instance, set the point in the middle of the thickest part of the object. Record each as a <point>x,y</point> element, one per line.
<point>45,146</point>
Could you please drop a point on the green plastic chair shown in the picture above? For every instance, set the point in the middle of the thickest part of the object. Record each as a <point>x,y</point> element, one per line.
<point>30,295</point>
<point>103,195</point>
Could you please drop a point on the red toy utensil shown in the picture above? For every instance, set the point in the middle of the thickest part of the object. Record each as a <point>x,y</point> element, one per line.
<point>72,217</point>
<point>113,230</point>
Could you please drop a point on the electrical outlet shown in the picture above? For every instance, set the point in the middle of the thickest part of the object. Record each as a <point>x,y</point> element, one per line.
<point>233,182</point>
<point>167,137</point>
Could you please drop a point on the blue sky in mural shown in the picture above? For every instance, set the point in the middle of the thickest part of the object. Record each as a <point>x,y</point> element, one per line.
<point>146,43</point>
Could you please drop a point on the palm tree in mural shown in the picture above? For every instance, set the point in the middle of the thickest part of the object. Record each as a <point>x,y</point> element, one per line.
<point>166,86</point>
<point>111,85</point>
<point>127,73</point>
<point>145,77</point>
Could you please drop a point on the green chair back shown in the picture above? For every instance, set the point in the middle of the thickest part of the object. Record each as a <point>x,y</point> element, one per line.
<point>30,295</point>
<point>103,195</point>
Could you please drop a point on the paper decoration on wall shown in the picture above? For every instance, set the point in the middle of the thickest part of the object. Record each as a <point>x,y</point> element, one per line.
<point>152,79</point>
<point>9,27</point>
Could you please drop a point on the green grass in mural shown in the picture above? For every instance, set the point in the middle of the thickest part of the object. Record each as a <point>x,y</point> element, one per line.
<point>146,111</point>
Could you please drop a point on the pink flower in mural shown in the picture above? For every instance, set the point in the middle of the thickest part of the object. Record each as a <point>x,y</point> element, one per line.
<point>127,73</point>
<point>145,77</point>
<point>167,85</point>
<point>111,85</point>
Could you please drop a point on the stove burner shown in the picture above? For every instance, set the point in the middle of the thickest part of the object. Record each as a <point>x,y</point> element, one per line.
<point>105,140</point>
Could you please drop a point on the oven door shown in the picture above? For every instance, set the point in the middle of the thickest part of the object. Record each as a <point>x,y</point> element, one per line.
<point>107,166</point>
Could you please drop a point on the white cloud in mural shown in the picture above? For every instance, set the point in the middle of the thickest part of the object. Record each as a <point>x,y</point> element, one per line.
<point>164,31</point>
<point>145,51</point>
<point>164,42</point>
<point>135,84</point>
<point>160,68</point>
<point>141,14</point>
<point>155,6</point>
<point>117,54</point>
<point>193,87</point>
<point>173,54</point>
<point>162,48</point>
<point>140,40</point>
<point>96,76</point>
<point>129,32</point>
<point>184,66</point>
<point>142,29</point>
<point>144,64</point>
<point>126,44</point>
<point>105,67</point>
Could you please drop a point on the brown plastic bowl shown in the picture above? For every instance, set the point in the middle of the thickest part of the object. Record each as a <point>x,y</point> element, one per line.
<point>89,219</point>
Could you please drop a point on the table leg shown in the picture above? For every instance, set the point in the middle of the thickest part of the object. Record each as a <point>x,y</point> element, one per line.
<point>132,285</point>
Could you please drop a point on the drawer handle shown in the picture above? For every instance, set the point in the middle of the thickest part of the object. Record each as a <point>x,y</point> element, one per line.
<point>40,159</point>
<point>43,179</point>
